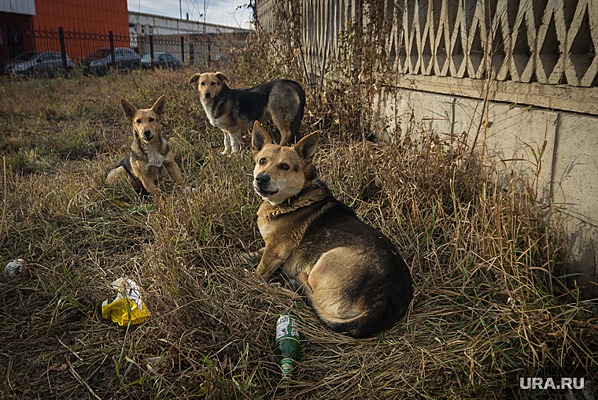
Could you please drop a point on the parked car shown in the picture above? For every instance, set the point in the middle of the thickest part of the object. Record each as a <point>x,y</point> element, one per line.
<point>38,63</point>
<point>161,60</point>
<point>100,61</point>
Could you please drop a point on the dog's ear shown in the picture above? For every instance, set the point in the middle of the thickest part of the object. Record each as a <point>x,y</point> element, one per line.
<point>159,105</point>
<point>307,146</point>
<point>221,76</point>
<point>259,138</point>
<point>194,78</point>
<point>128,108</point>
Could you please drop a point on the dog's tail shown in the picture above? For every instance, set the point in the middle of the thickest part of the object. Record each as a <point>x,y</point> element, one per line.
<point>372,322</point>
<point>389,302</point>
<point>296,124</point>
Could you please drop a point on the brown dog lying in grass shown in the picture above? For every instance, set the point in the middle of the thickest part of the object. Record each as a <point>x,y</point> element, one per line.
<point>352,274</point>
<point>150,156</point>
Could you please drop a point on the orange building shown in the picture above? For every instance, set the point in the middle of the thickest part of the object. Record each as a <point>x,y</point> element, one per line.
<point>82,16</point>
<point>33,25</point>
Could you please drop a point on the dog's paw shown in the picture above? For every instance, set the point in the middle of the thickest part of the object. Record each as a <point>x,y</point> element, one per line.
<point>260,278</point>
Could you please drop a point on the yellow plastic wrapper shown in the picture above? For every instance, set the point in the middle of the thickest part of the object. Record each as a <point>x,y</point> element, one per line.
<point>127,306</point>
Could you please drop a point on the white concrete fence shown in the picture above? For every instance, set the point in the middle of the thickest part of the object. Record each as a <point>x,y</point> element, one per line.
<point>525,72</point>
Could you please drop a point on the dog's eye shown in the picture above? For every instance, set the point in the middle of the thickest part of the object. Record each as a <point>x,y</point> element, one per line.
<point>202,83</point>
<point>138,121</point>
<point>262,161</point>
<point>152,119</point>
<point>284,166</point>
<point>213,83</point>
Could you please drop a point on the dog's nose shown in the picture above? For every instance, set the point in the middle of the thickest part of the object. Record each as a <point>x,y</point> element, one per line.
<point>148,134</point>
<point>207,95</point>
<point>262,179</point>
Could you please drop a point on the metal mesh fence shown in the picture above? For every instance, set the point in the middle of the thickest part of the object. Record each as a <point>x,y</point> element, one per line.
<point>56,51</point>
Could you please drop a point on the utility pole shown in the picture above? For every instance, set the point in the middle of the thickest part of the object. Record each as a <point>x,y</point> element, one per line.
<point>180,17</point>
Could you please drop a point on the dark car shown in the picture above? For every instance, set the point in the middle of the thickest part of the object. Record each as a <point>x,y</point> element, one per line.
<point>161,60</point>
<point>38,63</point>
<point>100,61</point>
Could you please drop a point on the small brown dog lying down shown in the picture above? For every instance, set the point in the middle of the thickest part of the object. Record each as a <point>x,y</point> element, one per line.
<point>150,156</point>
<point>235,110</point>
<point>353,275</point>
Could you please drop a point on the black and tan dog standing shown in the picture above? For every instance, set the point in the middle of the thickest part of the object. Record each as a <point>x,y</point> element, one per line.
<point>235,110</point>
<point>150,156</point>
<point>353,275</point>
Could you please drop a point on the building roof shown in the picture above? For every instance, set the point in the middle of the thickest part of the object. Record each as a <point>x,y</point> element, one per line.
<point>26,7</point>
<point>169,25</point>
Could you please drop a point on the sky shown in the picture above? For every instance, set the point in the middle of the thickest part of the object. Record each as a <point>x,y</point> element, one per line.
<point>222,12</point>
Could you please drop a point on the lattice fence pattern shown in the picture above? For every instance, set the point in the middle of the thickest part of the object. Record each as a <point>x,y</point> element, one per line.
<point>546,41</point>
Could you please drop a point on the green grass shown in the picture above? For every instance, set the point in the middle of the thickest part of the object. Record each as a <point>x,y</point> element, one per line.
<point>484,260</point>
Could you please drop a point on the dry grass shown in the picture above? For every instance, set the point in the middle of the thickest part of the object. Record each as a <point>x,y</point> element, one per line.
<point>487,300</point>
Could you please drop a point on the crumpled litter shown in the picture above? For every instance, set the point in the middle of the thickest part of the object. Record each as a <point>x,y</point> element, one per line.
<point>15,267</point>
<point>127,306</point>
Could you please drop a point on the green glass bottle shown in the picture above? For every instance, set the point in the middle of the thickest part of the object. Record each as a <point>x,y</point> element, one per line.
<point>288,345</point>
